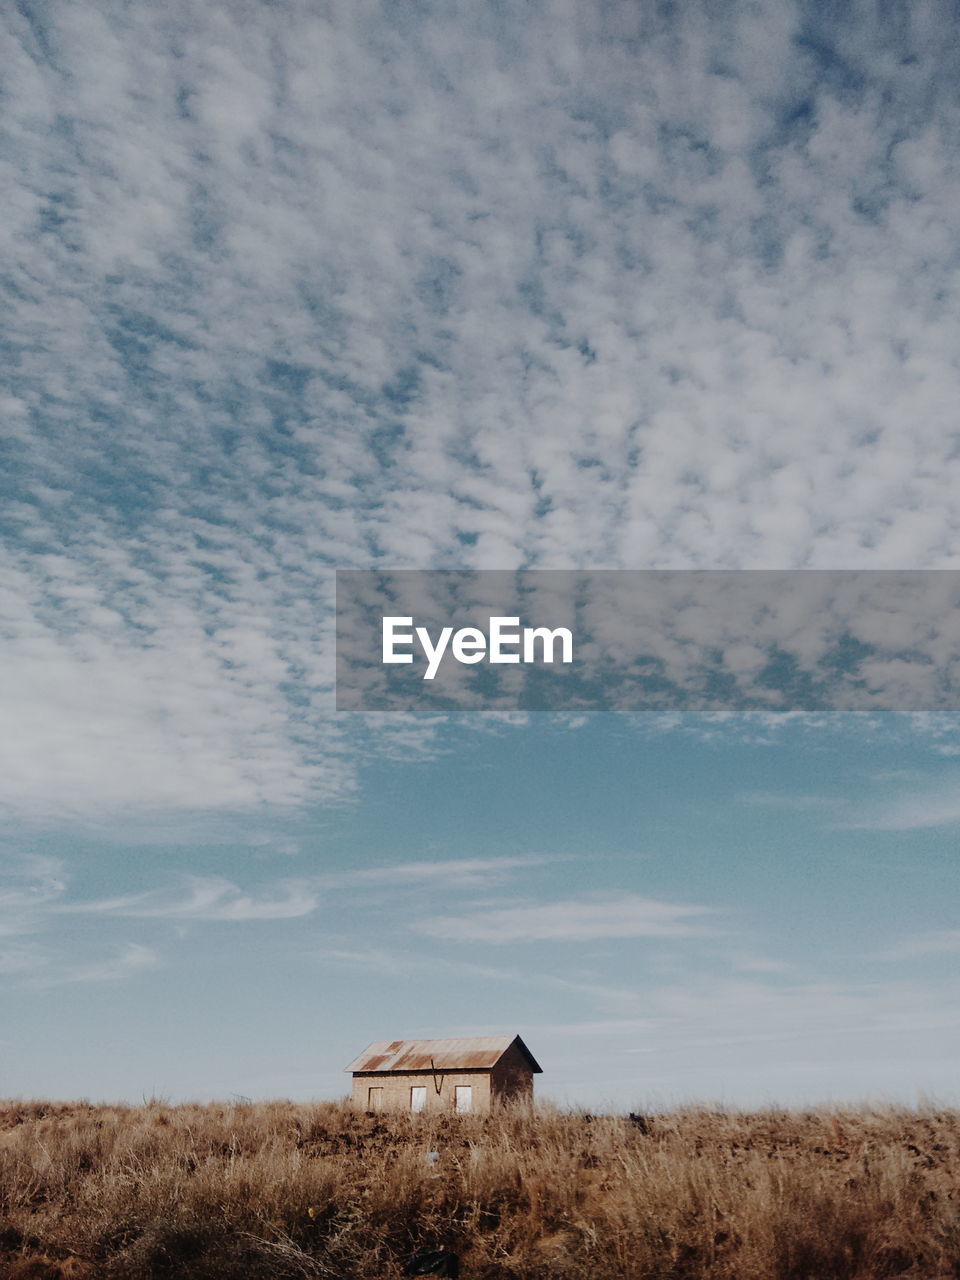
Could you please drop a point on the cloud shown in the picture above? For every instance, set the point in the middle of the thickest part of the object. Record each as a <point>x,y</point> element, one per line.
<point>935,942</point>
<point>606,287</point>
<point>30,884</point>
<point>388,963</point>
<point>931,805</point>
<point>757,1042</point>
<point>449,873</point>
<point>776,800</point>
<point>208,899</point>
<point>19,958</point>
<point>36,899</point>
<point>133,958</point>
<point>751,962</point>
<point>33,890</point>
<point>577,920</point>
<point>215,899</point>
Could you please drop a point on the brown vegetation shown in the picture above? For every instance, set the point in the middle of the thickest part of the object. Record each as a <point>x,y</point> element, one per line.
<point>280,1190</point>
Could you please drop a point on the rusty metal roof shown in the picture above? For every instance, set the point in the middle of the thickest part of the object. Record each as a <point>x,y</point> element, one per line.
<point>464,1054</point>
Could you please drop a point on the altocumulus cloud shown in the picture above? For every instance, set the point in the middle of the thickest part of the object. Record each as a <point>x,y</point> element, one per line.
<point>440,285</point>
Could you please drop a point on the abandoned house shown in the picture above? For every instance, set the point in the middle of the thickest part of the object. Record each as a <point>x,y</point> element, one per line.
<point>472,1074</point>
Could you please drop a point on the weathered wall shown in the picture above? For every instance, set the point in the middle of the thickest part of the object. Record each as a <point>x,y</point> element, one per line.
<point>397,1086</point>
<point>511,1080</point>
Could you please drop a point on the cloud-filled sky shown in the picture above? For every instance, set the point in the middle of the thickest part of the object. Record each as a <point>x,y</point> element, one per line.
<point>301,286</point>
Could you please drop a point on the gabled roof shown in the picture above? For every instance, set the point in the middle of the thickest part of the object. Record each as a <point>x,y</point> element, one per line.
<point>471,1052</point>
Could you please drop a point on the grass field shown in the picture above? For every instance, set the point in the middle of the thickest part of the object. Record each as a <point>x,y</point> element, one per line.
<point>287,1190</point>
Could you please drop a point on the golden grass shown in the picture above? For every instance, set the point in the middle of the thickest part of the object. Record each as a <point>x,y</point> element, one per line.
<point>283,1190</point>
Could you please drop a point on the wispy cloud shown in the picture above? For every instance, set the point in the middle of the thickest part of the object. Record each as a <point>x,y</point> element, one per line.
<point>33,965</point>
<point>213,898</point>
<point>935,942</point>
<point>915,808</point>
<point>391,963</point>
<point>29,885</point>
<point>36,899</point>
<point>208,899</point>
<point>21,958</point>
<point>576,920</point>
<point>752,962</point>
<point>749,1040</point>
<point>33,890</point>
<point>451,873</point>
<point>785,800</point>
<point>133,958</point>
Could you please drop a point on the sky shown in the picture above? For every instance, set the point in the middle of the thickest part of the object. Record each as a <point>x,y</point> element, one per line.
<point>304,286</point>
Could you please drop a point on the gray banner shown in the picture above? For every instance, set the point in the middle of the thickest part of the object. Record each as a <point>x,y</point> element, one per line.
<point>647,640</point>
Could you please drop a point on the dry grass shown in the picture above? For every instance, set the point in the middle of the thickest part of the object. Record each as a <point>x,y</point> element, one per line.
<point>280,1190</point>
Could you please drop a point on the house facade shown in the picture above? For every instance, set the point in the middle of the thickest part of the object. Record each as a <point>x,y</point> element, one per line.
<point>468,1075</point>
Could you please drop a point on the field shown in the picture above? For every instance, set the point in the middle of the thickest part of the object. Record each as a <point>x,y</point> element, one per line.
<point>283,1190</point>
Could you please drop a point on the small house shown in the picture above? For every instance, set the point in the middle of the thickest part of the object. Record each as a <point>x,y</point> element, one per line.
<point>474,1074</point>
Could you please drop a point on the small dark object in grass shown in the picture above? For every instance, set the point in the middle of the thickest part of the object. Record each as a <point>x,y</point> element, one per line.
<point>433,1262</point>
<point>639,1122</point>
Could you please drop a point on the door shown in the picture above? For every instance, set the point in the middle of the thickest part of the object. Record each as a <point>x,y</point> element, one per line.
<point>463,1098</point>
<point>375,1097</point>
<point>418,1097</point>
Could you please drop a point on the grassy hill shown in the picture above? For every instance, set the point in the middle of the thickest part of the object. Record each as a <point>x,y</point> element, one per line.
<point>284,1190</point>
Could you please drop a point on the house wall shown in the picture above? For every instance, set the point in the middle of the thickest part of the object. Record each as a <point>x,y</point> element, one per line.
<point>397,1085</point>
<point>511,1080</point>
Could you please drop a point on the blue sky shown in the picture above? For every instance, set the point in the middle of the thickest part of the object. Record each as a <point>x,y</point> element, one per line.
<point>737,911</point>
<point>419,286</point>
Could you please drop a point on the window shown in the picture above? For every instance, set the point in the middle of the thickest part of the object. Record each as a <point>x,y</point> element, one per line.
<point>418,1097</point>
<point>375,1098</point>
<point>463,1097</point>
